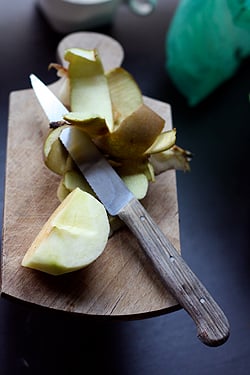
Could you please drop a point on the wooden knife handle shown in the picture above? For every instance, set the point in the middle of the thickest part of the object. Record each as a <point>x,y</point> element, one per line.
<point>212,324</point>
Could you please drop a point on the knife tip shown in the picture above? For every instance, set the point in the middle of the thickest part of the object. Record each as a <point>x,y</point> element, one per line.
<point>32,76</point>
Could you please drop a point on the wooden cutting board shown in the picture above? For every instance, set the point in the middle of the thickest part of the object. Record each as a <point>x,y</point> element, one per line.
<point>120,282</point>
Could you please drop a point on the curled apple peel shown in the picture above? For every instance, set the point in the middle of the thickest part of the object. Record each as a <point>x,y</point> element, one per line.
<point>109,106</point>
<point>89,91</point>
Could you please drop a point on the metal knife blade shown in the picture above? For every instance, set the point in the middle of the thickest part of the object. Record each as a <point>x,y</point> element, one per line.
<point>52,106</point>
<point>212,324</point>
<point>107,185</point>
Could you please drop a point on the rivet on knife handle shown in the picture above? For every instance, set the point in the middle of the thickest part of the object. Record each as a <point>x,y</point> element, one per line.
<point>212,325</point>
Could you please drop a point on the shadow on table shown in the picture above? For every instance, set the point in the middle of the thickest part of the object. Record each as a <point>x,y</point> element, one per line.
<point>40,341</point>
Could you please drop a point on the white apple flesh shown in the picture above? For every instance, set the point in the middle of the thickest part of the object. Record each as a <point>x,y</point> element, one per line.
<point>74,236</point>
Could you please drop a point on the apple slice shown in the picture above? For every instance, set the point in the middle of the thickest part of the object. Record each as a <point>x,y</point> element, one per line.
<point>137,184</point>
<point>74,236</point>
<point>73,179</point>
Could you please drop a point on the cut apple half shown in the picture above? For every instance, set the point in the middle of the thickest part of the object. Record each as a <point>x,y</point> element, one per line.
<point>74,236</point>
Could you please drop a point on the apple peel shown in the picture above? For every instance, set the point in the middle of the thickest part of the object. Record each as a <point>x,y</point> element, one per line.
<point>175,158</point>
<point>56,157</point>
<point>125,94</point>
<point>163,142</point>
<point>88,84</point>
<point>109,107</point>
<point>134,135</point>
<point>94,126</point>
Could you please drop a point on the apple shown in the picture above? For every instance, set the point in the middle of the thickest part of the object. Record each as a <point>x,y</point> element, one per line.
<point>109,107</point>
<point>137,184</point>
<point>73,237</point>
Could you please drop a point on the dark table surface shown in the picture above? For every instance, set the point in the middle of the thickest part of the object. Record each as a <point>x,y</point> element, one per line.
<point>213,208</point>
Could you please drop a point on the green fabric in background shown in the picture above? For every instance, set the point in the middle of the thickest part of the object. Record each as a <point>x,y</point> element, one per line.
<point>206,43</point>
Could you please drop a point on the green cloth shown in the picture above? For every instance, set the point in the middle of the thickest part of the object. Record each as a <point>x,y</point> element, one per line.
<point>206,43</point>
<point>240,11</point>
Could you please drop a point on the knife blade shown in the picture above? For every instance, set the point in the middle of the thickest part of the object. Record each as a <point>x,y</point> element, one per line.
<point>54,107</point>
<point>212,325</point>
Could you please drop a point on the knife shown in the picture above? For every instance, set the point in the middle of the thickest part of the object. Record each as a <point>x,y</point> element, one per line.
<point>212,325</point>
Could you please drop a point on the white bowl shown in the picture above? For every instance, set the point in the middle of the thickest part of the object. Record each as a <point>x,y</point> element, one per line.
<point>66,16</point>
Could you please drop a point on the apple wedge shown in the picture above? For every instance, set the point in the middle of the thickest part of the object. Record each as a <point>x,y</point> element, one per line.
<point>74,236</point>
